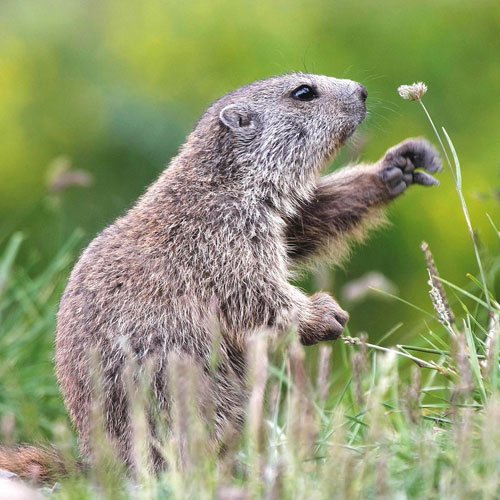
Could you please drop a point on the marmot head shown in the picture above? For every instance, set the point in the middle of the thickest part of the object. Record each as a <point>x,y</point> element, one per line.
<point>279,132</point>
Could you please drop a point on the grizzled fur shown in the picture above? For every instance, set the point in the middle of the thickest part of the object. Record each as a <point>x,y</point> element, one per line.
<point>39,464</point>
<point>212,241</point>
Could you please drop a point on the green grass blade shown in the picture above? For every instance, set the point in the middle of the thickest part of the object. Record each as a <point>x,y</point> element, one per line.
<point>464,292</point>
<point>458,170</point>
<point>8,258</point>
<point>473,358</point>
<point>493,225</point>
<point>383,292</point>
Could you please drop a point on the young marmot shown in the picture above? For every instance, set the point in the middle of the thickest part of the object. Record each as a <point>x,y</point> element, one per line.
<point>214,239</point>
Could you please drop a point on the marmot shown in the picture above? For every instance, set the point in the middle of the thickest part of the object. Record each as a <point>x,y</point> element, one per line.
<point>215,237</point>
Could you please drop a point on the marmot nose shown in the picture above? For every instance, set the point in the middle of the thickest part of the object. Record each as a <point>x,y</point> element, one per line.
<point>363,93</point>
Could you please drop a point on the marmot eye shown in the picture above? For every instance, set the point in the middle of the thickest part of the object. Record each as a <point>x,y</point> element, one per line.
<point>304,93</point>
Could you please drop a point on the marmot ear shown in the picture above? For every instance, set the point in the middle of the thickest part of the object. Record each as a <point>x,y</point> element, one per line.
<point>237,116</point>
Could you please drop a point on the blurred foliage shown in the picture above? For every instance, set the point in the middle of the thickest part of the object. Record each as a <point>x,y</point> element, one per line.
<point>111,88</point>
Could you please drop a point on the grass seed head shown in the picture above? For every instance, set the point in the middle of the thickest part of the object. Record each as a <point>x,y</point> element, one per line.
<point>436,284</point>
<point>413,92</point>
<point>439,304</point>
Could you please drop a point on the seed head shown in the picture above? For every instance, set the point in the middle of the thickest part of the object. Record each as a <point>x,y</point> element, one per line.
<point>413,92</point>
<point>438,303</point>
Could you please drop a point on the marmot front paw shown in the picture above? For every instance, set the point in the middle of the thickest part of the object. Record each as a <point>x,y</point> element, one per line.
<point>327,321</point>
<point>398,166</point>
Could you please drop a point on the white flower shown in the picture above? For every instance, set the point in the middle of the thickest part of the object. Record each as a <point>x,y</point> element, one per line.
<point>413,92</point>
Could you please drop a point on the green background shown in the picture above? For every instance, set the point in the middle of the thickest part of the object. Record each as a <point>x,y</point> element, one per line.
<point>114,87</point>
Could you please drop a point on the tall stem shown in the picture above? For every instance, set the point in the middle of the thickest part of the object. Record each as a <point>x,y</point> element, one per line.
<point>440,142</point>
<point>464,209</point>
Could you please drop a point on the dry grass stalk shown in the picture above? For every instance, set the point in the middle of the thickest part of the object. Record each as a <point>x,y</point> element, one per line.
<point>349,477</point>
<point>62,176</point>
<point>257,380</point>
<point>231,493</point>
<point>413,396</point>
<point>359,366</point>
<point>420,362</point>
<point>440,302</point>
<point>465,383</point>
<point>227,456</point>
<point>381,472</point>
<point>323,382</point>
<point>337,469</point>
<point>107,468</point>
<point>276,489</point>
<point>303,430</point>
<point>464,444</point>
<point>490,444</point>
<point>7,427</point>
<point>180,409</point>
<point>137,389</point>
<point>186,385</point>
<point>274,393</point>
<point>491,345</point>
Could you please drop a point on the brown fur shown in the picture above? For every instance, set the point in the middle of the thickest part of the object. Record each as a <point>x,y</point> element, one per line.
<point>212,241</point>
<point>37,464</point>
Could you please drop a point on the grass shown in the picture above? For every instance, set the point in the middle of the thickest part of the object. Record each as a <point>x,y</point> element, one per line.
<point>408,421</point>
<point>29,397</point>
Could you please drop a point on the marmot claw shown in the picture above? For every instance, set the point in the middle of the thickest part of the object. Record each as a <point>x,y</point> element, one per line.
<point>398,167</point>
